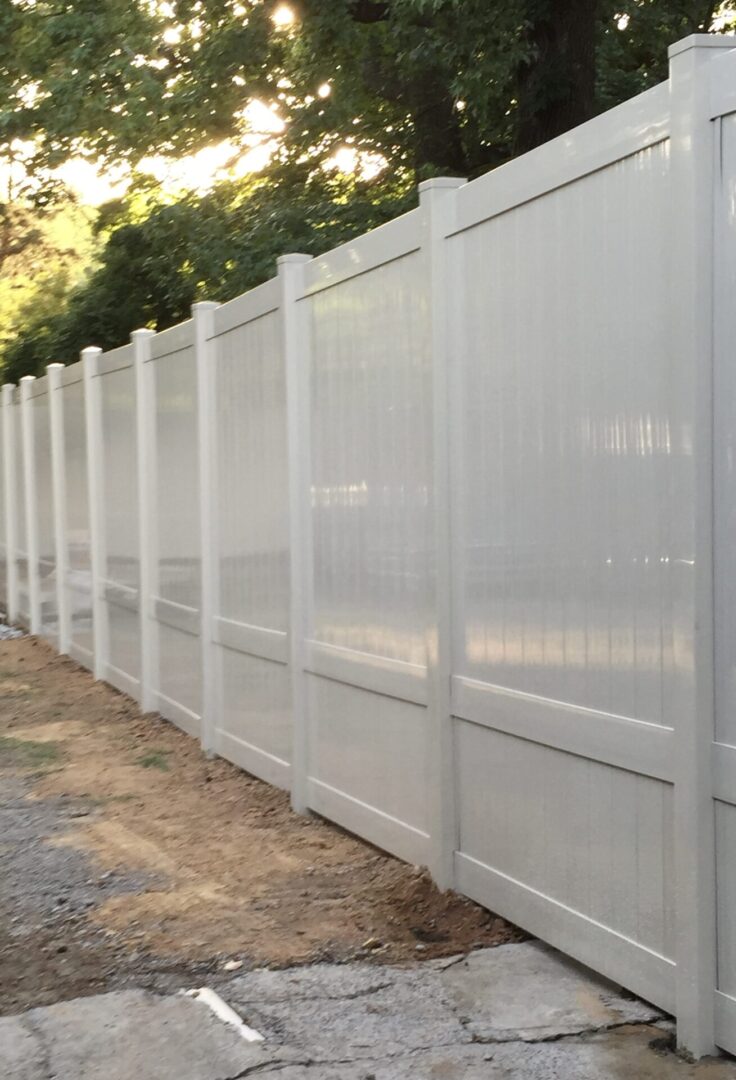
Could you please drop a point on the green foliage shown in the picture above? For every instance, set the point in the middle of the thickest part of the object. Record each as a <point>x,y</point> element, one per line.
<point>156,759</point>
<point>426,86</point>
<point>45,257</point>
<point>152,269</point>
<point>27,753</point>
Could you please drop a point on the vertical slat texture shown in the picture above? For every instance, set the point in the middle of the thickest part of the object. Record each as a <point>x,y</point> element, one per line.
<point>176,538</point>
<point>568,549</point>
<point>725,553</point>
<point>726,441</point>
<point>572,431</point>
<point>120,487</point>
<point>79,579</point>
<point>371,387</point>
<point>21,547</point>
<point>252,539</point>
<point>3,517</point>
<point>45,512</point>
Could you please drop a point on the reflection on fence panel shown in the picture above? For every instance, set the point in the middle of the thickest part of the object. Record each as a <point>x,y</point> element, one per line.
<point>370,424</point>
<point>175,551</point>
<point>251,549</point>
<point>436,530</point>
<point>568,560</point>
<point>76,555</point>
<point>6,478</point>
<point>22,603</point>
<point>119,547</point>
<point>44,510</point>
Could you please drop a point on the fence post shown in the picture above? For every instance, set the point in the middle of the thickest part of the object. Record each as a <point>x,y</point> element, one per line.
<point>437,201</point>
<point>202,314</point>
<point>693,150</point>
<point>29,484</point>
<point>11,508</point>
<point>295,330</point>
<point>145,449</point>
<point>58,477</point>
<point>95,495</point>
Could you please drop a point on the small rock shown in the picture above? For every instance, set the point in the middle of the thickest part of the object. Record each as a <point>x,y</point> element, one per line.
<point>372,943</point>
<point>232,965</point>
<point>420,948</point>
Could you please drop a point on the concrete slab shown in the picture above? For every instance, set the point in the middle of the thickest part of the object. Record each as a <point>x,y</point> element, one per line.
<point>21,1057</point>
<point>340,1012</point>
<point>624,1054</point>
<point>519,1011</point>
<point>531,992</point>
<point>123,1035</point>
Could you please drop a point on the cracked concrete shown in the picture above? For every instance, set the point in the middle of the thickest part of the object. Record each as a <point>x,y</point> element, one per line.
<point>514,1011</point>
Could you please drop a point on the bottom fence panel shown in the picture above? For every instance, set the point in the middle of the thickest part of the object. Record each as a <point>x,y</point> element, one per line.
<point>23,591</point>
<point>84,656</point>
<point>79,607</point>
<point>368,765</point>
<point>49,601</point>
<point>576,851</point>
<point>725,1021</point>
<point>123,663</point>
<point>254,725</point>
<point>3,574</point>
<point>179,690</point>
<point>725,1005</point>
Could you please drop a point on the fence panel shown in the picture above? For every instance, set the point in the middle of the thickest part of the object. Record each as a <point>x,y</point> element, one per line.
<point>570,557</point>
<point>119,542</point>
<point>43,511</point>
<point>77,539</point>
<point>175,555</point>
<point>724,749</point>
<point>369,612</point>
<point>251,549</point>
<point>20,556</point>
<point>4,513</point>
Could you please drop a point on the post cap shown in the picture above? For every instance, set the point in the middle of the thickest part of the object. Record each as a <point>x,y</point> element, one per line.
<point>702,41</point>
<point>294,257</point>
<point>441,182</point>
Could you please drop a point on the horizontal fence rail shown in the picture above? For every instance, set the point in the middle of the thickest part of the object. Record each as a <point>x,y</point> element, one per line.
<point>436,532</point>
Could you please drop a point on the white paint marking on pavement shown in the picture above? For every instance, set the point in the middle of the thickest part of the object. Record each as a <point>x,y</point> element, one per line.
<point>222,1010</point>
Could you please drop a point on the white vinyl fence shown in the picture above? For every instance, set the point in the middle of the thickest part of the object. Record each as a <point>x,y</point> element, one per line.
<point>438,532</point>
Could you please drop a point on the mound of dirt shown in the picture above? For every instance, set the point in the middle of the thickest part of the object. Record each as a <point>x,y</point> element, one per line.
<point>168,862</point>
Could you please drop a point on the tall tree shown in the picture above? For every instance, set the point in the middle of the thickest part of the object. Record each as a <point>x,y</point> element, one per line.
<point>409,88</point>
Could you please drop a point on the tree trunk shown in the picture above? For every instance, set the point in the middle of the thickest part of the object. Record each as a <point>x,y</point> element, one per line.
<point>438,146</point>
<point>556,84</point>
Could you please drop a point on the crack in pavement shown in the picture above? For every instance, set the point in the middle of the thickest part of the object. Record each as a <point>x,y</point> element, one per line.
<point>39,1039</point>
<point>246,1003</point>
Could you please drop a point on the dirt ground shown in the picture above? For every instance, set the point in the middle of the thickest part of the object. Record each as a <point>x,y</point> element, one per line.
<point>128,858</point>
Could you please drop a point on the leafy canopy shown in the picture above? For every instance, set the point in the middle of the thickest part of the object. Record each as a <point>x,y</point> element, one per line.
<point>398,90</point>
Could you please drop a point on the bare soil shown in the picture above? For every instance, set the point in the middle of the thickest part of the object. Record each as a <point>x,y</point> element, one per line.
<point>128,858</point>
